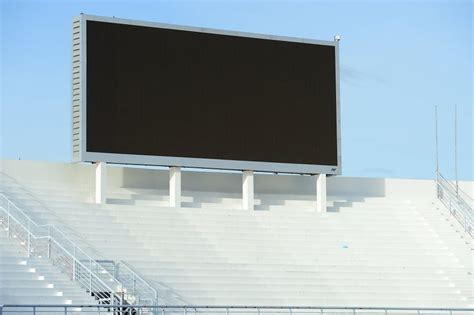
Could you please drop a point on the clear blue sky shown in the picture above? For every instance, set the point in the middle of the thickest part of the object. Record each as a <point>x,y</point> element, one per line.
<point>398,60</point>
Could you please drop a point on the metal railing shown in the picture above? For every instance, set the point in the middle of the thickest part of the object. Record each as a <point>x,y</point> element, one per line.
<point>47,241</point>
<point>457,202</point>
<point>132,281</point>
<point>226,310</point>
<point>139,290</point>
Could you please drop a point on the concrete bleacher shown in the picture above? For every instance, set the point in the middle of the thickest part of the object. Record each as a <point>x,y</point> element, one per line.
<point>382,242</point>
<point>26,280</point>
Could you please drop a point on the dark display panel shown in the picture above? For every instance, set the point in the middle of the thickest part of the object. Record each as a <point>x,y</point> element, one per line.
<point>164,92</point>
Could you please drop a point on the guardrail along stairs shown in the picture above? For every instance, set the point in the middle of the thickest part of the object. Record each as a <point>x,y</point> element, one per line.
<point>48,242</point>
<point>26,279</point>
<point>459,203</point>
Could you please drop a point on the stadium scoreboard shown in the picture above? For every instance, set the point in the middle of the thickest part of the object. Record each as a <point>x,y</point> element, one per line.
<point>158,94</point>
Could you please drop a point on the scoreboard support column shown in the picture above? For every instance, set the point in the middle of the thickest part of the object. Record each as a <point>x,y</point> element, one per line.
<point>175,187</point>
<point>321,202</point>
<point>100,182</point>
<point>247,190</point>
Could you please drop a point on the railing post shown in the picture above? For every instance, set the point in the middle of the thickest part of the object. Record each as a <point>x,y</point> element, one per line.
<point>119,295</point>
<point>34,310</point>
<point>29,237</point>
<point>134,284</point>
<point>49,241</point>
<point>465,222</point>
<point>8,218</point>
<point>90,276</point>
<point>74,264</point>
<point>437,186</point>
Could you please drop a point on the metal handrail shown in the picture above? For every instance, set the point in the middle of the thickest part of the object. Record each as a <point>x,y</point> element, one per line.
<point>136,277</point>
<point>147,293</point>
<point>50,227</point>
<point>76,267</point>
<point>455,193</point>
<point>33,197</point>
<point>458,206</point>
<point>225,309</point>
<point>464,195</point>
<point>150,295</point>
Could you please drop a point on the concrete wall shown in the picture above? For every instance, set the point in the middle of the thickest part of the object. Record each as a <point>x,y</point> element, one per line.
<point>192,180</point>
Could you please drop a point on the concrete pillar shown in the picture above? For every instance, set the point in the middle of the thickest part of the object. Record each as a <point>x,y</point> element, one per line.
<point>247,190</point>
<point>101,182</point>
<point>321,205</point>
<point>175,187</point>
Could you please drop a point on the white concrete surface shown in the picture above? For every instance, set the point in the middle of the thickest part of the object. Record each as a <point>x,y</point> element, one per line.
<point>321,193</point>
<point>83,174</point>
<point>383,242</point>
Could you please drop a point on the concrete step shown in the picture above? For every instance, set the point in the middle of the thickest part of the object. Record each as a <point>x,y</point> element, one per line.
<point>306,245</point>
<point>311,280</point>
<point>35,299</point>
<point>268,260</point>
<point>335,272</point>
<point>317,223</point>
<point>331,301</point>
<point>283,293</point>
<point>316,288</point>
<point>275,267</point>
<point>171,235</point>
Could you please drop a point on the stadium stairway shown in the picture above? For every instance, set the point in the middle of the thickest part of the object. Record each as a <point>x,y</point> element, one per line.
<point>26,280</point>
<point>370,251</point>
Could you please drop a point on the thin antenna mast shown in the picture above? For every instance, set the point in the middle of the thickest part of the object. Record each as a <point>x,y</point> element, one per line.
<point>436,141</point>
<point>456,147</point>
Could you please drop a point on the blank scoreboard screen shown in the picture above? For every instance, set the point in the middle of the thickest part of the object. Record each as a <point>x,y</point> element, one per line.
<point>163,92</point>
